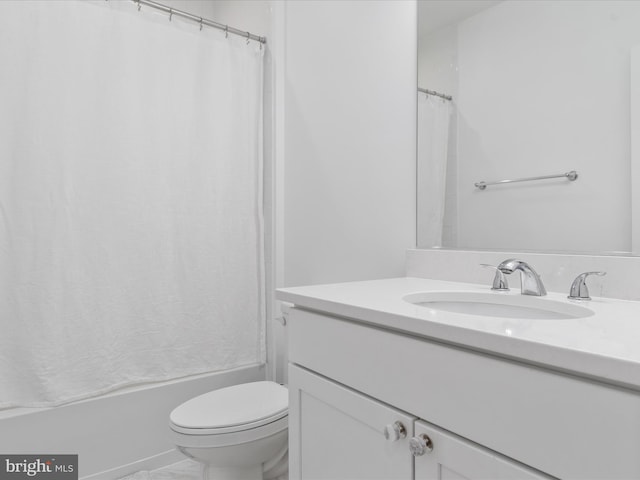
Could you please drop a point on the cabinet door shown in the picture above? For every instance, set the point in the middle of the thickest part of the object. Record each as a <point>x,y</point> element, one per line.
<point>454,458</point>
<point>337,433</point>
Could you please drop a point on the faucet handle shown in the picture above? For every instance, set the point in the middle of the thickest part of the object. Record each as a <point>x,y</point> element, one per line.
<point>579,290</point>
<point>499,281</point>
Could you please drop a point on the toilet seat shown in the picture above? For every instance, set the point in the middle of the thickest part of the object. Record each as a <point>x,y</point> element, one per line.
<point>233,409</point>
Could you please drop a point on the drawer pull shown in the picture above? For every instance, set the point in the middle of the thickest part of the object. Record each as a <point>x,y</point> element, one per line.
<point>395,431</point>
<point>420,444</point>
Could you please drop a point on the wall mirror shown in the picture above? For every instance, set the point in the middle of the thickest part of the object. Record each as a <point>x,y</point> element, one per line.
<point>539,88</point>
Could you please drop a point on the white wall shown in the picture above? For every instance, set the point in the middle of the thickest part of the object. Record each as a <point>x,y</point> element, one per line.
<point>349,139</point>
<point>202,8</point>
<point>438,62</point>
<point>249,15</point>
<point>543,88</point>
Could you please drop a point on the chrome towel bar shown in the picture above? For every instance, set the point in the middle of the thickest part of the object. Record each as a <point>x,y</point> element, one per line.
<point>571,176</point>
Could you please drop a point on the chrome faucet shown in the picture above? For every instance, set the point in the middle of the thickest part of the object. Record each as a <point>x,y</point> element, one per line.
<point>579,290</point>
<point>499,280</point>
<point>529,278</point>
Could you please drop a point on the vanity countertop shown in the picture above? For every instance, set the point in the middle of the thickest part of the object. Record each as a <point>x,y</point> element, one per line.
<point>604,346</point>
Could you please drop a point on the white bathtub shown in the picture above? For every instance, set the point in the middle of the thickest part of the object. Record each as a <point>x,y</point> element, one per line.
<point>114,434</point>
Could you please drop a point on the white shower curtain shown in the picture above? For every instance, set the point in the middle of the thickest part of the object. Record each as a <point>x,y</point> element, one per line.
<point>434,115</point>
<point>130,200</point>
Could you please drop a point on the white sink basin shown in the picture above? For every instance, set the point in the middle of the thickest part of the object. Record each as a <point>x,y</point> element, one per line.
<point>494,304</point>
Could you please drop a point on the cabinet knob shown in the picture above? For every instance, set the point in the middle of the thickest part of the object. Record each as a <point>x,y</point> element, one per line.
<point>395,431</point>
<point>420,444</point>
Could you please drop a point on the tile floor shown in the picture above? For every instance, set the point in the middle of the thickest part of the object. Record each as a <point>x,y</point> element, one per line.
<point>185,470</point>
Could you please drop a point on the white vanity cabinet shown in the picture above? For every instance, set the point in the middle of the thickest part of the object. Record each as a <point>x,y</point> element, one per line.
<point>453,458</point>
<point>339,433</point>
<point>488,417</point>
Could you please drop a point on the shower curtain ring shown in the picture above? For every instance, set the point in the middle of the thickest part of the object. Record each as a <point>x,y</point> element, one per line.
<point>200,23</point>
<point>226,31</point>
<point>139,6</point>
<point>248,36</point>
<point>170,13</point>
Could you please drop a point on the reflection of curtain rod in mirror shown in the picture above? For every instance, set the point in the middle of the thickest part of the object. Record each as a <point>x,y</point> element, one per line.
<point>437,94</point>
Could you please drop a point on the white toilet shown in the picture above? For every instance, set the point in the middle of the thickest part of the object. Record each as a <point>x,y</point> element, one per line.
<point>237,433</point>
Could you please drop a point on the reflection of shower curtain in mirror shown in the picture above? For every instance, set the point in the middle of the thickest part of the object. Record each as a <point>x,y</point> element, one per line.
<point>130,200</point>
<point>433,137</point>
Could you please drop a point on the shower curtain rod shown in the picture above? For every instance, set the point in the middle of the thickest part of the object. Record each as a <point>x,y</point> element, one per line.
<point>437,94</point>
<point>202,21</point>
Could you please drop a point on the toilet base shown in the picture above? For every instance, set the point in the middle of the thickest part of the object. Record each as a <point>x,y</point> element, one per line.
<point>277,468</point>
<point>262,459</point>
<point>210,472</point>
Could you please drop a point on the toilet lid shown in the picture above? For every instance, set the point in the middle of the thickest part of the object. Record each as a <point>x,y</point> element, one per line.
<point>255,403</point>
